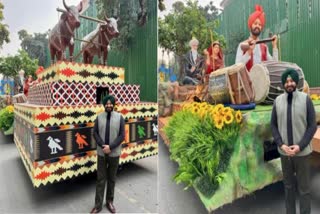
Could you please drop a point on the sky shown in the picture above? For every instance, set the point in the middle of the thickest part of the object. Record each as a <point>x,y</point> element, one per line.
<point>35,16</point>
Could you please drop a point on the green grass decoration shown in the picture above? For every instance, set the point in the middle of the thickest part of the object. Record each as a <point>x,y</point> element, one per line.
<point>202,151</point>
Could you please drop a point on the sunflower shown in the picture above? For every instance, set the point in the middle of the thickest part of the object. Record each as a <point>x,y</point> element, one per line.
<point>186,106</point>
<point>208,110</point>
<point>212,110</point>
<point>195,104</point>
<point>10,108</point>
<point>202,113</point>
<point>218,122</point>
<point>314,97</point>
<point>203,105</point>
<point>238,116</point>
<point>195,110</point>
<point>219,107</point>
<point>228,118</point>
<point>162,77</point>
<point>215,115</point>
<point>227,110</point>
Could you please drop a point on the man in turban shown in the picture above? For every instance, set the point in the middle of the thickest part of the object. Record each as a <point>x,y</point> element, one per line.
<point>293,125</point>
<point>256,53</point>
<point>194,65</point>
<point>108,133</point>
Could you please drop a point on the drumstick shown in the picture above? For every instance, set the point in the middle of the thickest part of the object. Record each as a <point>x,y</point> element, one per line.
<point>246,45</point>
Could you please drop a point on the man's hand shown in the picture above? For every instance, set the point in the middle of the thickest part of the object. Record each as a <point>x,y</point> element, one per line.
<point>287,150</point>
<point>274,41</point>
<point>295,149</point>
<point>252,44</point>
<point>193,68</point>
<point>106,149</point>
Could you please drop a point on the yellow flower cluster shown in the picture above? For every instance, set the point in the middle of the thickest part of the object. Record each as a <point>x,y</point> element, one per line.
<point>10,108</point>
<point>219,114</point>
<point>314,97</point>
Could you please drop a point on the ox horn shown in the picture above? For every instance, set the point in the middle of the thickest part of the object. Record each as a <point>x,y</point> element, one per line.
<point>65,5</point>
<point>80,7</point>
<point>106,18</point>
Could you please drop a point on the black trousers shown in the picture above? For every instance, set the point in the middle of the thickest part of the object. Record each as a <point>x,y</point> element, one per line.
<point>106,172</point>
<point>296,169</point>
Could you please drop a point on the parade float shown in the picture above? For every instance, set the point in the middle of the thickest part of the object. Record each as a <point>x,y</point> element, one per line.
<point>53,130</point>
<point>223,153</point>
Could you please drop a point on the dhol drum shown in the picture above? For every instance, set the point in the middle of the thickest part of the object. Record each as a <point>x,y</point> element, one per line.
<point>266,79</point>
<point>218,90</point>
<point>306,88</point>
<point>230,85</point>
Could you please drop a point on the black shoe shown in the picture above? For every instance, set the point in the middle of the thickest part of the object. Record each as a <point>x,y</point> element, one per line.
<point>110,207</point>
<point>96,210</point>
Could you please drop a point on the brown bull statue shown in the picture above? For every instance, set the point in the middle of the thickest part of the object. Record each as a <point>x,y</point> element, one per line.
<point>96,42</point>
<point>62,34</point>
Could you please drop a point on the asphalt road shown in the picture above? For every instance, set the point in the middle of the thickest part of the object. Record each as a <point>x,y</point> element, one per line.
<point>136,188</point>
<point>174,199</point>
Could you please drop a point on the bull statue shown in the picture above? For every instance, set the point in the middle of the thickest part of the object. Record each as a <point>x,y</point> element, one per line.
<point>96,42</point>
<point>62,34</point>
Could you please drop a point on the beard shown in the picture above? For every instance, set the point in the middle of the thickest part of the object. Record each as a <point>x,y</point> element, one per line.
<point>194,52</point>
<point>108,109</point>
<point>290,89</point>
<point>256,31</point>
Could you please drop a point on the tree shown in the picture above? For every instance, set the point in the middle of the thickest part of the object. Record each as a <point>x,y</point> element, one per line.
<point>11,65</point>
<point>161,5</point>
<point>178,28</point>
<point>131,13</point>
<point>4,32</point>
<point>210,11</point>
<point>178,7</point>
<point>35,45</point>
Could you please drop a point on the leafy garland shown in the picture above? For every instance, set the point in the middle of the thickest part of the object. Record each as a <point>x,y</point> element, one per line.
<point>202,140</point>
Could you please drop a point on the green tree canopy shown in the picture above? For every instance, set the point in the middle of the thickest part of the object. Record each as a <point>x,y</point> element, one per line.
<point>11,65</point>
<point>187,21</point>
<point>130,14</point>
<point>161,5</point>
<point>35,45</point>
<point>210,11</point>
<point>4,32</point>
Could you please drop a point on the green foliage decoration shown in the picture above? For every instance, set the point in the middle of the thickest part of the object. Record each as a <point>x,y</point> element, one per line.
<point>202,150</point>
<point>6,118</point>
